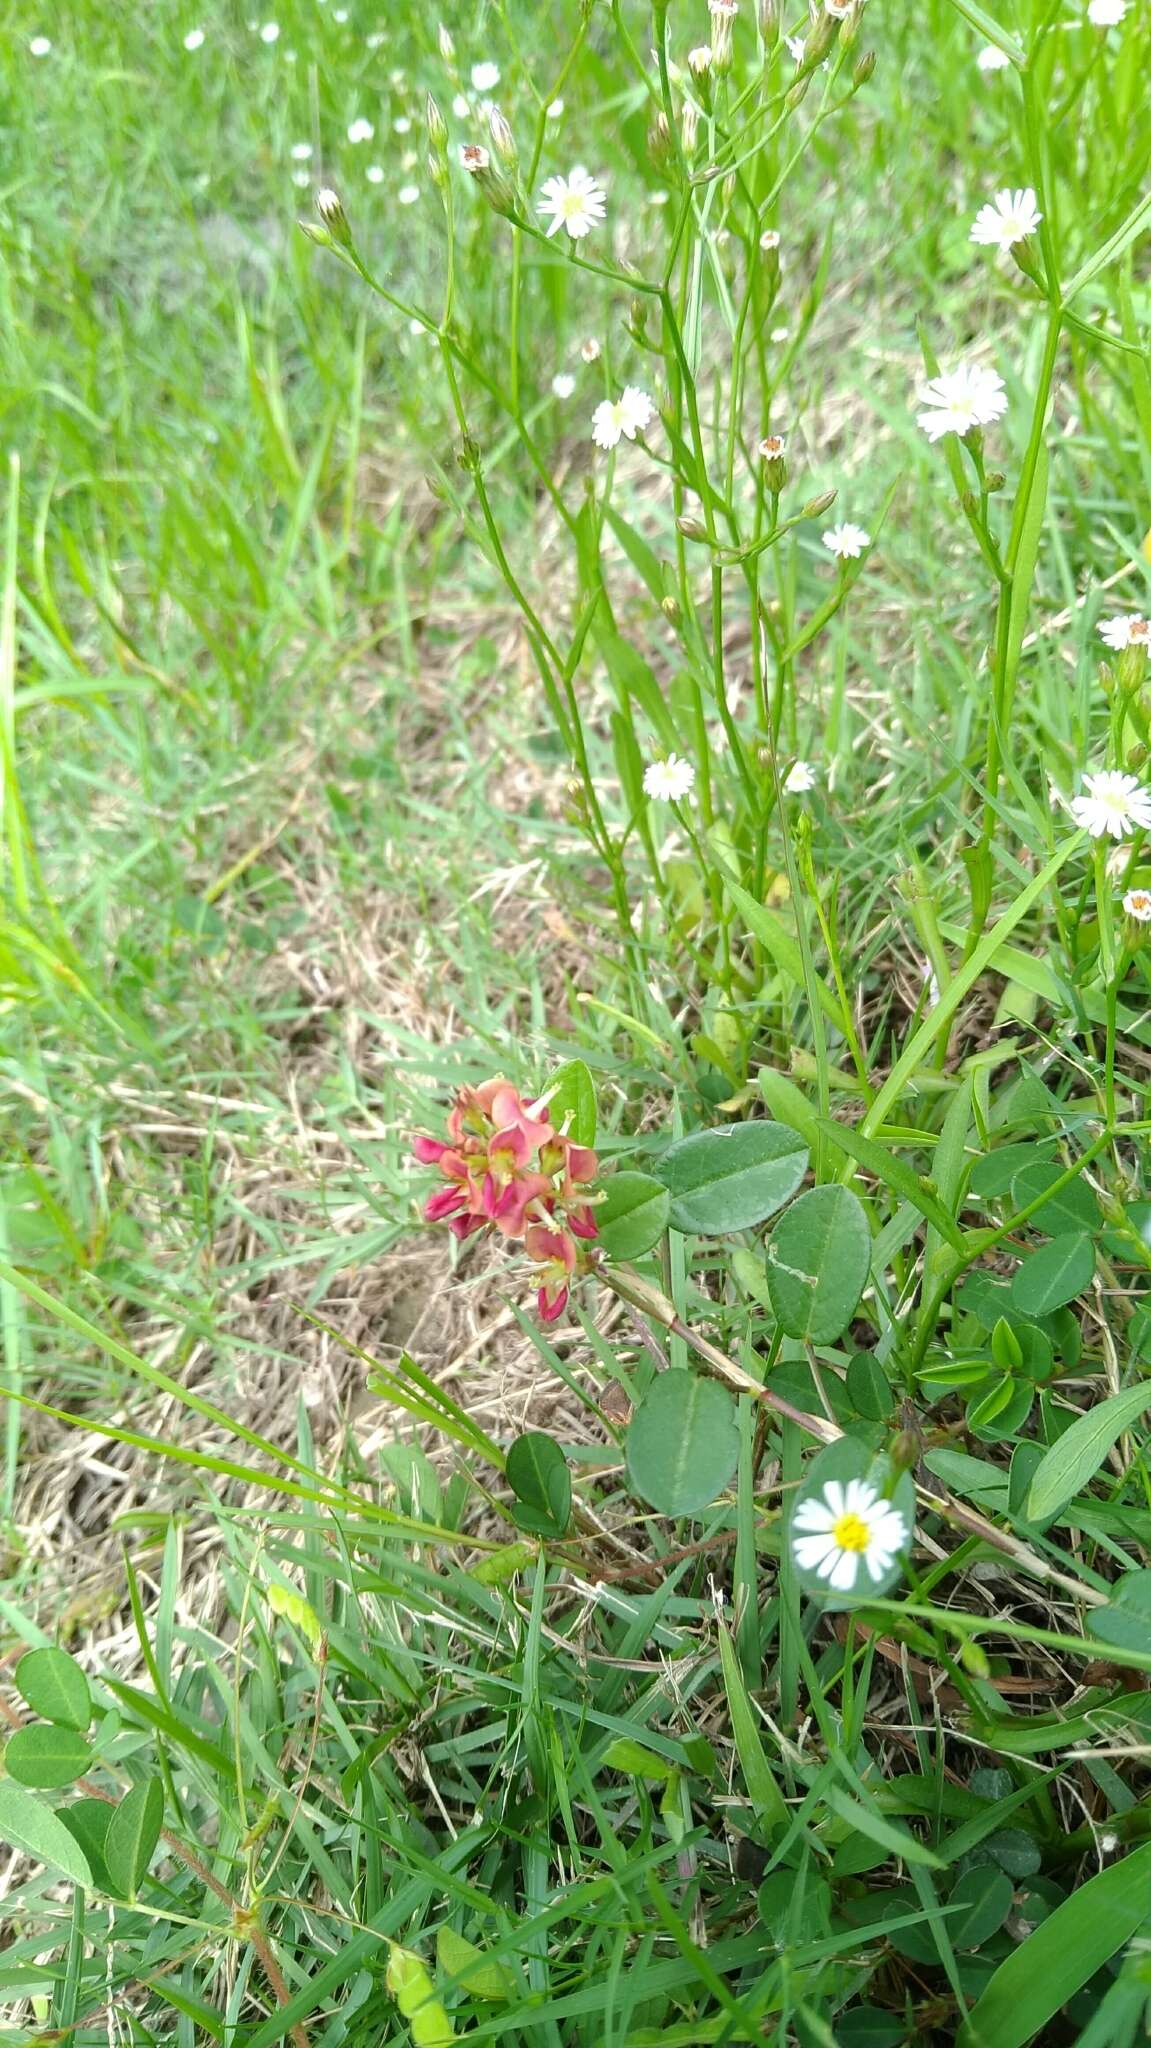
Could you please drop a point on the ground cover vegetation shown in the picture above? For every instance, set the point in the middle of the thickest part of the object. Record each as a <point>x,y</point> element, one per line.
<point>574,1224</point>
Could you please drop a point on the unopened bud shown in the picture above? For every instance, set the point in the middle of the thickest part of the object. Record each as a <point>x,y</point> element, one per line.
<point>468,455</point>
<point>691,529</point>
<point>330,208</point>
<point>768,22</point>
<point>503,141</point>
<point>905,1450</point>
<point>723,13</point>
<point>492,183</point>
<point>771,452</point>
<point>447,44</point>
<point>973,1658</point>
<point>1132,667</point>
<point>671,609</point>
<point>437,126</point>
<point>863,69</point>
<point>659,140</point>
<point>815,506</point>
<point>820,38</point>
<point>994,480</point>
<point>699,60</point>
<point>689,127</point>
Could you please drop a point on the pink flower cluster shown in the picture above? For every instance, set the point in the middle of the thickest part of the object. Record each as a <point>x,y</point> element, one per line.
<point>505,1167</point>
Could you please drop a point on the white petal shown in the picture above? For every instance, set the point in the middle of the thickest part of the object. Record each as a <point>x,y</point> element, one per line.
<point>845,1569</point>
<point>810,1551</point>
<point>811,1514</point>
<point>860,1497</point>
<point>833,1495</point>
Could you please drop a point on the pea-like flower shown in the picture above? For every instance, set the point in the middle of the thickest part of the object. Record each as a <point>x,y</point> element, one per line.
<point>849,1529</point>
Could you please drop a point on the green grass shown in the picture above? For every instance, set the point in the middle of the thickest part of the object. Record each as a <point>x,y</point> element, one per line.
<point>294,845</point>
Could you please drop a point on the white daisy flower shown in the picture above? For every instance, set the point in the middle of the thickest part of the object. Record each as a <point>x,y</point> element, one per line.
<point>408,195</point>
<point>461,107</point>
<point>563,384</point>
<point>1106,13</point>
<point>850,1527</point>
<point>485,77</point>
<point>1137,904</point>
<point>624,416</point>
<point>669,781</point>
<point>301,152</point>
<point>1130,631</point>
<point>992,58</point>
<point>799,779</point>
<point>360,131</point>
<point>375,174</point>
<point>402,125</point>
<point>1008,219</point>
<point>772,447</point>
<point>41,46</point>
<point>846,540</point>
<point>969,396</point>
<point>576,203</point>
<point>194,40</point>
<point>270,33</point>
<point>1112,802</point>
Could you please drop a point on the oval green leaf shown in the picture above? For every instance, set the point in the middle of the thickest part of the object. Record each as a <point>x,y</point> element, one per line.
<point>571,1102</point>
<point>732,1177</point>
<point>133,1833</point>
<point>538,1475</point>
<point>817,1263</point>
<point>1076,1457</point>
<point>88,1821</point>
<point>632,1215</point>
<point>683,1443</point>
<point>1072,1210</point>
<point>55,1687</point>
<point>484,1976</point>
<point>26,1823</point>
<point>46,1756</point>
<point>1055,1274</point>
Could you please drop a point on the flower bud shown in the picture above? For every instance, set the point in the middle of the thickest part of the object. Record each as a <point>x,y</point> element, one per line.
<point>994,480</point>
<point>723,13</point>
<point>503,141</point>
<point>699,63</point>
<point>1132,667</point>
<point>659,141</point>
<point>468,455</point>
<point>815,506</point>
<point>771,451</point>
<point>863,69</point>
<point>973,1658</point>
<point>447,44</point>
<point>691,529</point>
<point>330,208</point>
<point>437,126</point>
<point>905,1450</point>
<point>671,609</point>
<point>820,38</point>
<point>689,127</point>
<point>769,22</point>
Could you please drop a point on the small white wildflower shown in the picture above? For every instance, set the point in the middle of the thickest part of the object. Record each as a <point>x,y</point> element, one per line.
<point>851,1527</point>
<point>408,195</point>
<point>41,46</point>
<point>1008,219</point>
<point>360,130</point>
<point>699,60</point>
<point>1106,13</point>
<point>624,416</point>
<point>461,107</point>
<point>846,541</point>
<point>409,160</point>
<point>1108,1844</point>
<point>669,781</point>
<point>992,58</point>
<point>796,48</point>
<point>340,14</point>
<point>270,33</point>
<point>194,40</point>
<point>772,447</point>
<point>799,779</point>
<point>563,384</point>
<point>1131,631</point>
<point>415,327</point>
<point>376,40</point>
<point>779,334</point>
<point>375,174</point>
<point>1112,802</point>
<point>398,77</point>
<point>1137,904</point>
<point>485,77</point>
<point>555,110</point>
<point>590,349</point>
<point>474,157</point>
<point>302,178</point>
<point>576,203</point>
<point>838,9</point>
<point>966,397</point>
<point>301,152</point>
<point>658,198</point>
<point>723,10</point>
<point>769,241</point>
<point>402,125</point>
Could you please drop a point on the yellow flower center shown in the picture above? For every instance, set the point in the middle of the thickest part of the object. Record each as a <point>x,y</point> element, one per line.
<point>573,205</point>
<point>851,1533</point>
